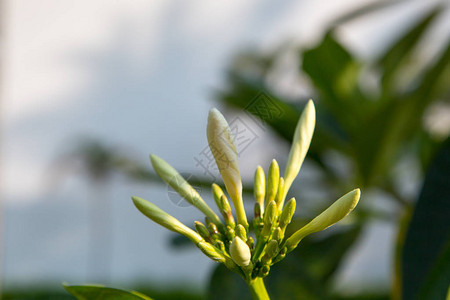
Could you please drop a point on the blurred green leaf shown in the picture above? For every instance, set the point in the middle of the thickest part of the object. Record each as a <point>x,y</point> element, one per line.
<point>393,58</point>
<point>439,277</point>
<point>307,270</point>
<point>249,96</point>
<point>226,285</point>
<point>428,234</point>
<point>324,255</point>
<point>364,11</point>
<point>87,292</point>
<point>335,72</point>
<point>368,296</point>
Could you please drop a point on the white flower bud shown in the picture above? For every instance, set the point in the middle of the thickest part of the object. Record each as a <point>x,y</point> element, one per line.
<point>240,252</point>
<point>224,151</point>
<point>300,145</point>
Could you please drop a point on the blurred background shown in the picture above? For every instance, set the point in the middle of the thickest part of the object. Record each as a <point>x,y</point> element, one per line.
<point>90,88</point>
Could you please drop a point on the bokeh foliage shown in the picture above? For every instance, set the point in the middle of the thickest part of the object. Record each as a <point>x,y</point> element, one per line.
<point>373,130</point>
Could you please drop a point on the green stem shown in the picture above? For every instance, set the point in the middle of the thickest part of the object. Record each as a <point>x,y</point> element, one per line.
<point>258,289</point>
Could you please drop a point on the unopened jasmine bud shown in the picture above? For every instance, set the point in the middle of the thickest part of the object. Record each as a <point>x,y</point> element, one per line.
<point>300,145</point>
<point>217,194</point>
<point>220,245</point>
<point>215,234</point>
<point>272,248</point>
<point>202,230</point>
<point>181,186</point>
<point>271,251</point>
<point>230,233</point>
<point>258,210</point>
<point>226,211</point>
<point>272,181</point>
<point>338,210</point>
<point>164,219</point>
<point>258,225</point>
<point>287,213</point>
<point>224,151</point>
<point>279,199</point>
<point>251,243</point>
<point>260,186</point>
<point>240,252</point>
<point>271,213</point>
<point>270,217</point>
<point>211,251</point>
<point>241,232</point>
<point>280,256</point>
<point>277,234</point>
<point>264,271</point>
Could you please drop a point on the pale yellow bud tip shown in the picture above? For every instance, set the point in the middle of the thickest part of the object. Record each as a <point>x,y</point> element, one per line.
<point>333,214</point>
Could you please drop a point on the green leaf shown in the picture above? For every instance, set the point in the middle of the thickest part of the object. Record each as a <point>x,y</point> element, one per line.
<point>364,10</point>
<point>291,279</point>
<point>225,285</point>
<point>87,292</point>
<point>324,255</point>
<point>439,277</point>
<point>335,72</point>
<point>393,58</point>
<point>424,249</point>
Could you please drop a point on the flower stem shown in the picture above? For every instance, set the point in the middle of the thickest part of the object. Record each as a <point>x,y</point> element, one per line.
<point>258,289</point>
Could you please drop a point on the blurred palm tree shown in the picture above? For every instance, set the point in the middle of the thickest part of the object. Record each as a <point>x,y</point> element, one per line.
<point>97,163</point>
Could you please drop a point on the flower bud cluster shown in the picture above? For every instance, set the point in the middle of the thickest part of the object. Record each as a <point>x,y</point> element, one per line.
<point>249,250</point>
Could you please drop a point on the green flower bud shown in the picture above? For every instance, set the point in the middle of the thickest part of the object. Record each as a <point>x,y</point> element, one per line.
<point>211,251</point>
<point>202,230</point>
<point>258,225</point>
<point>277,234</point>
<point>240,252</point>
<point>280,256</point>
<point>224,152</point>
<point>230,233</point>
<point>264,271</point>
<point>181,186</point>
<point>273,178</point>
<point>271,251</point>
<point>287,213</point>
<point>300,145</point>
<point>215,234</point>
<point>280,195</point>
<point>220,245</point>
<point>226,211</point>
<point>241,232</point>
<point>260,186</point>
<point>164,219</point>
<point>217,194</point>
<point>338,210</point>
<point>258,210</point>
<point>270,217</point>
<point>251,243</point>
